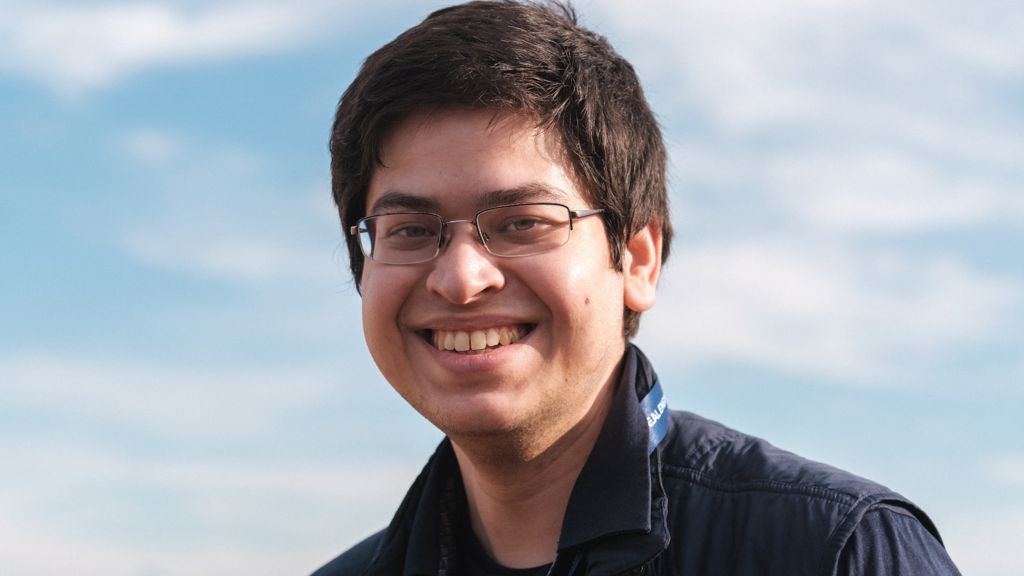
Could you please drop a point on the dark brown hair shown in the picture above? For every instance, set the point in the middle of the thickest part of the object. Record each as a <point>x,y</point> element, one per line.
<point>522,58</point>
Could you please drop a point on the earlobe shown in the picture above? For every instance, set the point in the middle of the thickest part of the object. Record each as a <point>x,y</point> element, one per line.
<point>641,267</point>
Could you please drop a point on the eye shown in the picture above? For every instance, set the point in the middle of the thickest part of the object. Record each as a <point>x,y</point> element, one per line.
<point>406,231</point>
<point>520,223</point>
<point>410,231</point>
<point>528,228</point>
<point>523,224</point>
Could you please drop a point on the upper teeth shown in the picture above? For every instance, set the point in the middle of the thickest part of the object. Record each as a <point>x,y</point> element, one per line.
<point>461,341</point>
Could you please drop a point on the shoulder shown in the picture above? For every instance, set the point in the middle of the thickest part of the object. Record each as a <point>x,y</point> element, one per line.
<point>710,453</point>
<point>749,499</point>
<point>354,561</point>
<point>892,540</point>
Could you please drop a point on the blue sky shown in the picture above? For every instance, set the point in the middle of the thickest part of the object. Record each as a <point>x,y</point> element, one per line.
<point>183,383</point>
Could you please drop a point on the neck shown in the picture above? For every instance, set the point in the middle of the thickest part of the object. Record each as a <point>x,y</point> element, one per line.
<point>518,493</point>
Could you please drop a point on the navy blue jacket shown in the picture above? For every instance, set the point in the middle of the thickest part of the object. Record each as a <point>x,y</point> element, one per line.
<point>709,501</point>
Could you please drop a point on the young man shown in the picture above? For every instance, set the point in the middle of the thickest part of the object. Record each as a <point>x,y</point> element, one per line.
<point>501,180</point>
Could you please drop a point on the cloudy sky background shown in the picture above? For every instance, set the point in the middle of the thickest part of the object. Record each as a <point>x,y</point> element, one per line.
<point>183,383</point>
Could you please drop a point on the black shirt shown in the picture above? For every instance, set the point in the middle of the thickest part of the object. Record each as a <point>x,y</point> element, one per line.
<point>710,501</point>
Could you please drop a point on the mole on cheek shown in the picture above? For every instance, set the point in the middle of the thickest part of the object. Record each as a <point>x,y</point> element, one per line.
<point>586,300</point>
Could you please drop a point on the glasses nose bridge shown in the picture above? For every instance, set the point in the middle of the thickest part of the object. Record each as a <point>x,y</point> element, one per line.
<point>446,236</point>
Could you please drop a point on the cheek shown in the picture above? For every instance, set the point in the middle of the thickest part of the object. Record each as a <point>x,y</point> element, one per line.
<point>590,293</point>
<point>371,322</point>
<point>382,296</point>
<point>382,304</point>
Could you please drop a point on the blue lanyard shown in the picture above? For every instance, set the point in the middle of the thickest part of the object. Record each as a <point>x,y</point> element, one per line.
<point>655,409</point>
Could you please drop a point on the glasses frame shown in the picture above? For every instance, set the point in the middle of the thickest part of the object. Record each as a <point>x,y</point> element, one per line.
<point>444,237</point>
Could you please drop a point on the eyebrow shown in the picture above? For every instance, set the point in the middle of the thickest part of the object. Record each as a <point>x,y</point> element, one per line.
<point>398,201</point>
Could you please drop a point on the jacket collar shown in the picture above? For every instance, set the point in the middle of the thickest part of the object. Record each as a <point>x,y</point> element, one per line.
<point>436,513</point>
<point>617,473</point>
<point>618,509</point>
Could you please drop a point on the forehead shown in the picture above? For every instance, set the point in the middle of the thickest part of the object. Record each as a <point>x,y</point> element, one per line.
<point>456,160</point>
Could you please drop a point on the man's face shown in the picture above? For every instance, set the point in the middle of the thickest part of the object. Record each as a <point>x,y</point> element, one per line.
<point>562,309</point>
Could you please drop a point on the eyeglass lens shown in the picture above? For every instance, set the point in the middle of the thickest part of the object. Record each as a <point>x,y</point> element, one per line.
<point>516,230</point>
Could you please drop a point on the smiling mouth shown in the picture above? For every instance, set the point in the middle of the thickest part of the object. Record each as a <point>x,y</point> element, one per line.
<point>468,342</point>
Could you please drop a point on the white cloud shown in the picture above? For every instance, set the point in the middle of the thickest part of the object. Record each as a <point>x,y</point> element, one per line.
<point>200,466</point>
<point>866,117</point>
<point>1008,470</point>
<point>735,58</point>
<point>249,245</point>
<point>214,216</point>
<point>822,130</point>
<point>228,254</point>
<point>179,402</point>
<point>885,192</point>
<point>985,540</point>
<point>821,309</point>
<point>152,147</point>
<point>752,63</point>
<point>74,48</point>
<point>227,515</point>
<point>836,191</point>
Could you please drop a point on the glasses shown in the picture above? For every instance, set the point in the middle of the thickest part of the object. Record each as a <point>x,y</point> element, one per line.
<point>507,231</point>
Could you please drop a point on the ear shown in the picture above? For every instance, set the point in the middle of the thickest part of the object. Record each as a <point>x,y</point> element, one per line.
<point>641,267</point>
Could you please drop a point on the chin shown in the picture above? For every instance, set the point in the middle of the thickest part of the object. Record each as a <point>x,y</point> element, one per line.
<point>477,420</point>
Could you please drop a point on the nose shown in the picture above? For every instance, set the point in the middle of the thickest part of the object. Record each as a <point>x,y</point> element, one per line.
<point>464,271</point>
